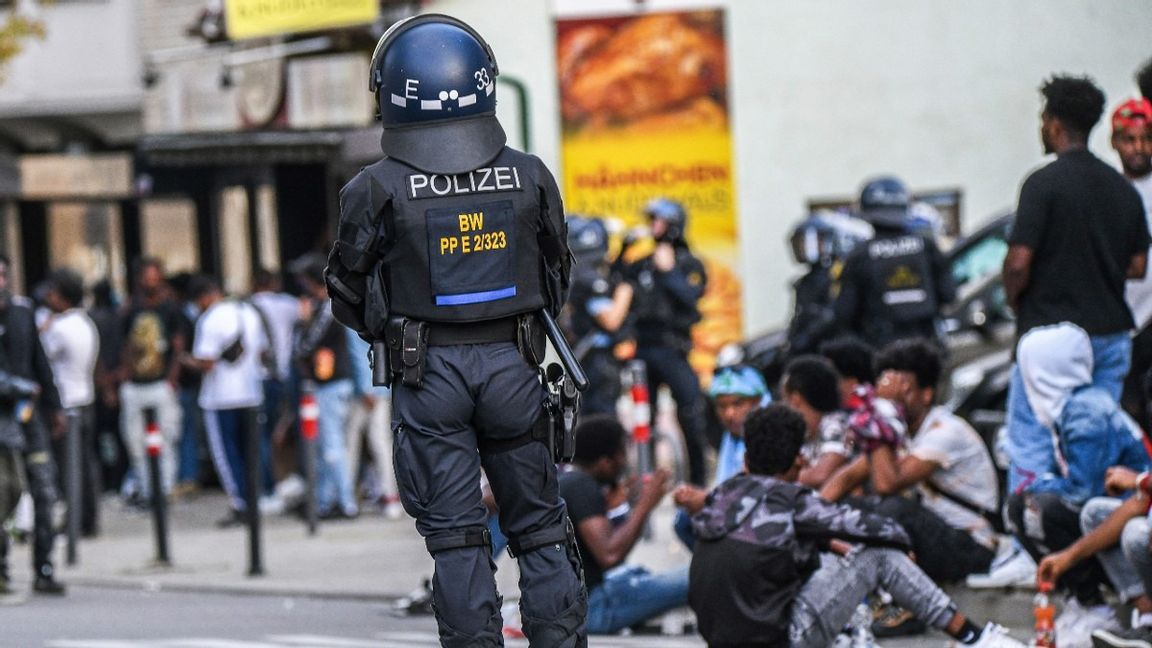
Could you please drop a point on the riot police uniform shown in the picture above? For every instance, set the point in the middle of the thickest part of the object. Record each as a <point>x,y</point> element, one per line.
<point>594,286</point>
<point>446,248</point>
<point>893,286</point>
<point>664,310</point>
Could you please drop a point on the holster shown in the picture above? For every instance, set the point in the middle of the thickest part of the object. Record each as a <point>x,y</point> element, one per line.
<point>556,426</point>
<point>381,366</point>
<point>407,350</point>
<point>531,339</point>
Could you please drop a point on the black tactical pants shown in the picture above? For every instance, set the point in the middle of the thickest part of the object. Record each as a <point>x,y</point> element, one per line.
<point>1044,523</point>
<point>486,397</point>
<point>669,366</point>
<point>603,391</point>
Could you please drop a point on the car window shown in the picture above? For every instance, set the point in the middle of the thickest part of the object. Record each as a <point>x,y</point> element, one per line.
<point>981,260</point>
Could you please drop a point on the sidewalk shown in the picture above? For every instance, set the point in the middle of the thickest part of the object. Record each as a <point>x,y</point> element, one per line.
<point>367,558</point>
<point>370,558</point>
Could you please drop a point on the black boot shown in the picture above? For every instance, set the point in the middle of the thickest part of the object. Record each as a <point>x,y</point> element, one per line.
<point>46,582</point>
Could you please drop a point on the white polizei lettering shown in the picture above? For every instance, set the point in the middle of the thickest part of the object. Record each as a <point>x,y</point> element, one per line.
<point>516,175</point>
<point>485,173</point>
<point>417,181</point>
<point>502,176</point>
<point>397,100</point>
<point>411,87</point>
<point>431,104</point>
<point>887,248</point>
<point>456,188</point>
<point>914,296</point>
<point>467,100</point>
<point>447,185</point>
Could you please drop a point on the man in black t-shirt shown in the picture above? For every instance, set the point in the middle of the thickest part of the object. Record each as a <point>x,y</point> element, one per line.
<point>608,526</point>
<point>1079,234</point>
<point>153,331</point>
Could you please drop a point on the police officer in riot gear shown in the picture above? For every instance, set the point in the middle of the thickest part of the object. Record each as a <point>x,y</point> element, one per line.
<point>813,244</point>
<point>446,249</point>
<point>894,286</point>
<point>598,313</point>
<point>669,284</point>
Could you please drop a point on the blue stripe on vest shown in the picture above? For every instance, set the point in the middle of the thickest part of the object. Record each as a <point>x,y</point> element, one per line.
<point>476,297</point>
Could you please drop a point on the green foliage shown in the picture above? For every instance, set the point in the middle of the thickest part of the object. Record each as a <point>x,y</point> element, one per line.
<point>15,30</point>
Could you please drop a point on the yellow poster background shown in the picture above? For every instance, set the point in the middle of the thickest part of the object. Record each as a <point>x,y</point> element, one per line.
<point>644,115</point>
<point>253,18</point>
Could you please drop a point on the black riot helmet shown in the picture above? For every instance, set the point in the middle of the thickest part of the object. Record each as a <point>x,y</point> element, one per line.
<point>587,239</point>
<point>813,241</point>
<point>672,213</point>
<point>434,79</point>
<point>884,202</point>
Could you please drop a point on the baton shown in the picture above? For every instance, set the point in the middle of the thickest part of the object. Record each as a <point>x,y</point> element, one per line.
<point>560,343</point>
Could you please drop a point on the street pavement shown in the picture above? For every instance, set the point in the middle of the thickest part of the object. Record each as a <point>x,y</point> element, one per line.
<point>363,564</point>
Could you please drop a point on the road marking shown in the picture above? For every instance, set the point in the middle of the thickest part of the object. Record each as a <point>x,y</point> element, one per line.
<point>317,641</point>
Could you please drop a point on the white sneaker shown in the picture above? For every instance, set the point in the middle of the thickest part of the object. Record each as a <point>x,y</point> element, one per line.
<point>1017,569</point>
<point>995,635</point>
<point>1075,625</point>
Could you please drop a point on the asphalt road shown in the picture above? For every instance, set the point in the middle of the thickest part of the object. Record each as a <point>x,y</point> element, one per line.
<point>90,617</point>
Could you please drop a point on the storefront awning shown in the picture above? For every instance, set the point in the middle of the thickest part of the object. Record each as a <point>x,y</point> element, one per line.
<point>257,147</point>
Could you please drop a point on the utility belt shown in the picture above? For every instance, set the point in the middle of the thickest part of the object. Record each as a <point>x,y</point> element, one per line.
<point>406,343</point>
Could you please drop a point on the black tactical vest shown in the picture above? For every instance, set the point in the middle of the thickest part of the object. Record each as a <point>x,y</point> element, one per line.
<point>464,248</point>
<point>903,289</point>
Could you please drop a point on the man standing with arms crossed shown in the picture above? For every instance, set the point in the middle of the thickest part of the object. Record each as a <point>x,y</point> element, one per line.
<point>1080,233</point>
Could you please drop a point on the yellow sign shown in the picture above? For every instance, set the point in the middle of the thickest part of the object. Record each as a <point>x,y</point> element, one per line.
<point>254,18</point>
<point>644,111</point>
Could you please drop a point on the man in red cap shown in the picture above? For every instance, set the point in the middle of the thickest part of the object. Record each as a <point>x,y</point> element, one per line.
<point>1132,141</point>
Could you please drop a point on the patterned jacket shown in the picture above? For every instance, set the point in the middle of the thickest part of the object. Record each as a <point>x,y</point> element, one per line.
<point>758,541</point>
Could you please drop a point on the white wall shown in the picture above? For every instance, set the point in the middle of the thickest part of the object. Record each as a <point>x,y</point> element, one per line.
<point>828,92</point>
<point>88,62</point>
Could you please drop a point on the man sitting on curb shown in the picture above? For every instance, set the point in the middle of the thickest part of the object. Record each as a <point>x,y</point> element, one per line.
<point>811,386</point>
<point>607,528</point>
<point>736,390</point>
<point>766,570</point>
<point>1116,532</point>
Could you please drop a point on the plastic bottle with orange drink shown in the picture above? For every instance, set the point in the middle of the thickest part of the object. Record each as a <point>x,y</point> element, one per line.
<point>1044,615</point>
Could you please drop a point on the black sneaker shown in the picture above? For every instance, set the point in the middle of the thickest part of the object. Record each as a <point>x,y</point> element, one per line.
<point>1138,637</point>
<point>894,621</point>
<point>417,603</point>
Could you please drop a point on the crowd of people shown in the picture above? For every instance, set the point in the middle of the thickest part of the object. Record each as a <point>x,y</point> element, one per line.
<point>818,501</point>
<point>856,487</point>
<point>207,369</point>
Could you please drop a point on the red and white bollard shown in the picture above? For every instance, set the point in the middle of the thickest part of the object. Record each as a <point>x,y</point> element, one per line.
<point>641,417</point>
<point>309,429</point>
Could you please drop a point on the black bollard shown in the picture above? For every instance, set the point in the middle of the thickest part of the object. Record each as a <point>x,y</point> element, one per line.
<point>252,459</point>
<point>155,444</point>
<point>73,481</point>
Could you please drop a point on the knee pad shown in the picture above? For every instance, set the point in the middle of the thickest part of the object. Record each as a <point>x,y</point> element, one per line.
<point>548,537</point>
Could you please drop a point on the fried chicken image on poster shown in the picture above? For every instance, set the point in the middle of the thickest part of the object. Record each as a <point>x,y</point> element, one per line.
<point>653,72</point>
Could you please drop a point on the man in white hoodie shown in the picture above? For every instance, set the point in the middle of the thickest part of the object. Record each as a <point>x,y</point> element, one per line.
<point>1090,433</point>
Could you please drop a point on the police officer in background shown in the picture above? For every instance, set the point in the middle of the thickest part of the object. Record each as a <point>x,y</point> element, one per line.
<point>597,313</point>
<point>893,286</point>
<point>446,249</point>
<point>669,284</point>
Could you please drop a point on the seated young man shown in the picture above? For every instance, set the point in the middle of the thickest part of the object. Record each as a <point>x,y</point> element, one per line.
<point>811,386</point>
<point>1091,434</point>
<point>619,595</point>
<point>1116,532</point>
<point>853,360</point>
<point>735,391</point>
<point>773,566</point>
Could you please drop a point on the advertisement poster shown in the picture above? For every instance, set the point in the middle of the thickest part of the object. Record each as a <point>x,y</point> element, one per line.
<point>644,103</point>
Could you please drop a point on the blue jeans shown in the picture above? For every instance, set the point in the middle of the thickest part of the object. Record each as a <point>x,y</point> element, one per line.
<point>1128,564</point>
<point>188,468</point>
<point>631,594</point>
<point>1029,442</point>
<point>333,488</point>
